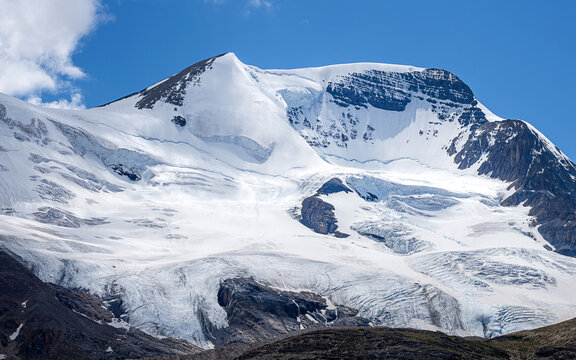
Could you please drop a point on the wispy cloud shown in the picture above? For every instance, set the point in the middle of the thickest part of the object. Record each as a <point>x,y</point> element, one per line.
<point>216,2</point>
<point>260,4</point>
<point>76,102</point>
<point>37,41</point>
<point>250,5</point>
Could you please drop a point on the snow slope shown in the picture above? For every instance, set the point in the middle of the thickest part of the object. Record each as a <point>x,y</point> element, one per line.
<point>159,196</point>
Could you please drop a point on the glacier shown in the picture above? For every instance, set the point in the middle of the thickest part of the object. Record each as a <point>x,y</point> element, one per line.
<point>126,203</point>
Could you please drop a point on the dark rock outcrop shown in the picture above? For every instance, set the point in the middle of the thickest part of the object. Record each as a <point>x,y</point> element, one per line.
<point>394,90</point>
<point>318,215</point>
<point>45,321</point>
<point>179,120</point>
<point>448,97</point>
<point>540,175</point>
<point>173,89</point>
<point>130,173</point>
<point>333,186</point>
<point>257,312</point>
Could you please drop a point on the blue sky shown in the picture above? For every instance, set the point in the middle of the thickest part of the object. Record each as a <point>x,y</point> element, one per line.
<point>517,56</point>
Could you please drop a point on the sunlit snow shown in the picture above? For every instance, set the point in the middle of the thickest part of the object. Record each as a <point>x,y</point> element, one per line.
<point>217,200</point>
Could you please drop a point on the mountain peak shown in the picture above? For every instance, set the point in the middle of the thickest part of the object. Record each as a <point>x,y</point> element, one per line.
<point>173,89</point>
<point>436,215</point>
<point>229,55</point>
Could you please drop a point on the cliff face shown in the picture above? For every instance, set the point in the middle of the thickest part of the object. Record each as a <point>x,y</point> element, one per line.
<point>539,175</point>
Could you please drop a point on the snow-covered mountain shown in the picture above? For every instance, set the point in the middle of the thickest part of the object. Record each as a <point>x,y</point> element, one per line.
<point>231,203</point>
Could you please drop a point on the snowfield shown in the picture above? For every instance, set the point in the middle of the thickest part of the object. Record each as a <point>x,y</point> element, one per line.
<point>124,202</point>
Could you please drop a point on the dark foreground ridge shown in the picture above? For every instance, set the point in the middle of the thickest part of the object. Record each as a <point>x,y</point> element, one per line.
<point>551,342</point>
<point>375,343</point>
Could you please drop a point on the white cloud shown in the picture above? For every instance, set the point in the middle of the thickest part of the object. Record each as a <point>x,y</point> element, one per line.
<point>250,4</point>
<point>37,41</point>
<point>76,102</point>
<point>256,4</point>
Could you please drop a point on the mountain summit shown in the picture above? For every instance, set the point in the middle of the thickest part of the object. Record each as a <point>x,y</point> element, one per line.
<point>229,203</point>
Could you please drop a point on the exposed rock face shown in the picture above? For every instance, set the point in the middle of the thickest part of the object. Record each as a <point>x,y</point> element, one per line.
<point>440,91</point>
<point>173,89</point>
<point>540,175</point>
<point>333,186</point>
<point>257,312</point>
<point>179,120</point>
<point>317,214</point>
<point>45,321</point>
<point>393,90</point>
<point>122,170</point>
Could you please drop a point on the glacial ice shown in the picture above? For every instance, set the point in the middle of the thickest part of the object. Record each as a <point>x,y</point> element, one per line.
<point>420,252</point>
